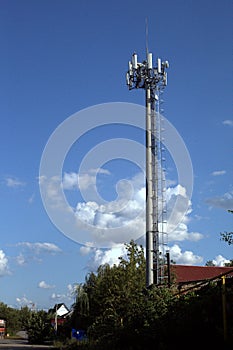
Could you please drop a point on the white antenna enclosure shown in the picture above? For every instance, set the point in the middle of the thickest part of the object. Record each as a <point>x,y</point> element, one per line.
<point>159,65</point>
<point>149,61</point>
<point>135,61</point>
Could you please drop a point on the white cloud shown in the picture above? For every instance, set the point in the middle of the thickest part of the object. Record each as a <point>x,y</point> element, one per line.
<point>82,181</point>
<point>225,201</point>
<point>106,256</point>
<point>177,196</point>
<point>33,251</point>
<point>44,285</point>
<point>116,221</point>
<point>218,172</point>
<point>14,182</point>
<point>70,181</point>
<point>220,260</point>
<point>107,223</point>
<point>99,171</point>
<point>53,189</point>
<point>228,122</point>
<point>111,256</point>
<point>184,258</point>
<point>24,301</point>
<point>181,233</point>
<point>65,297</point>
<point>52,192</point>
<point>31,199</point>
<point>39,247</point>
<point>179,207</point>
<point>85,250</point>
<point>21,260</point>
<point>56,296</point>
<point>71,289</point>
<point>41,179</point>
<point>4,268</point>
<point>130,215</point>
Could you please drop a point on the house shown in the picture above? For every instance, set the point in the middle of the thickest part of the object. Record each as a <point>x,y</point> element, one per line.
<point>59,313</point>
<point>184,276</point>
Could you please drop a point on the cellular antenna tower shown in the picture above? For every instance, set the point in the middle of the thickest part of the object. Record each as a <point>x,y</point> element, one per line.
<point>153,79</point>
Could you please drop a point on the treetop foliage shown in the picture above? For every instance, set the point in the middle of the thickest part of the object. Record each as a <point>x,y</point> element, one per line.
<point>227,236</point>
<point>118,312</point>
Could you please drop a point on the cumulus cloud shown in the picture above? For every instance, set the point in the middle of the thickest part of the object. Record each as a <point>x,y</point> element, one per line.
<point>52,192</point>
<point>111,256</point>
<point>110,215</point>
<point>184,258</point>
<point>82,181</point>
<point>115,221</point>
<point>130,202</point>
<point>178,206</point>
<point>228,122</point>
<point>181,233</point>
<point>105,256</point>
<point>24,301</point>
<point>70,181</point>
<point>85,250</point>
<point>44,285</point>
<point>218,172</point>
<point>4,268</point>
<point>66,296</point>
<point>14,182</point>
<point>178,220</point>
<point>71,289</point>
<point>220,260</point>
<point>57,296</point>
<point>225,201</point>
<point>107,223</point>
<point>53,187</point>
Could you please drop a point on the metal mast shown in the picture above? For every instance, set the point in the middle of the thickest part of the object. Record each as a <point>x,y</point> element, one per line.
<point>153,80</point>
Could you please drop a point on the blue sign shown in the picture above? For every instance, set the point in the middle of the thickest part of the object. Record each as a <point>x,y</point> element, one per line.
<point>78,334</point>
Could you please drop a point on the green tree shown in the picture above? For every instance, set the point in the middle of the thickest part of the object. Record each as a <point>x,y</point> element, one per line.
<point>111,294</point>
<point>79,318</point>
<point>210,263</point>
<point>229,264</point>
<point>24,316</point>
<point>124,315</point>
<point>123,311</point>
<point>227,236</point>
<point>38,327</point>
<point>12,317</point>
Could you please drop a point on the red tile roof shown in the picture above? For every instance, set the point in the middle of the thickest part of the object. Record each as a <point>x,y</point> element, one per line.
<point>187,273</point>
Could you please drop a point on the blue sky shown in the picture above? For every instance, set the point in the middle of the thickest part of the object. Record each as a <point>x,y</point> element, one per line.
<point>59,57</point>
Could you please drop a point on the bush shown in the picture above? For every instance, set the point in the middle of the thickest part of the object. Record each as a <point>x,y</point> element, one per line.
<point>38,328</point>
